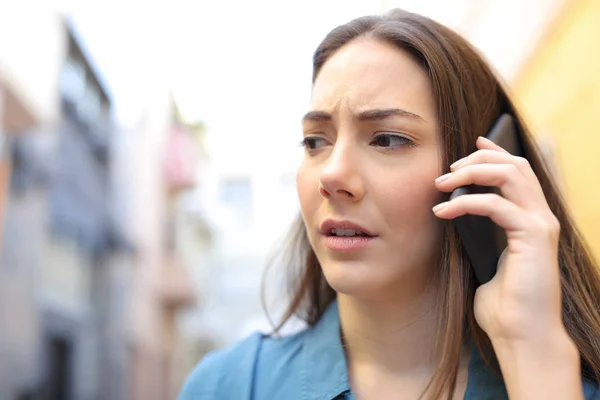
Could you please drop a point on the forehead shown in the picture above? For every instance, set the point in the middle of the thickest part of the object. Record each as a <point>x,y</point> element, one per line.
<point>369,73</point>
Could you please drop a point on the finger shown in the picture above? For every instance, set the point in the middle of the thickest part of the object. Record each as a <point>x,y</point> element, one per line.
<point>503,212</point>
<point>507,177</point>
<point>482,157</point>
<point>485,143</point>
<point>487,156</point>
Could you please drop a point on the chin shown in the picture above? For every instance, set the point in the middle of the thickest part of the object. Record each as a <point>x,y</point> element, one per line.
<point>379,280</point>
<point>359,279</point>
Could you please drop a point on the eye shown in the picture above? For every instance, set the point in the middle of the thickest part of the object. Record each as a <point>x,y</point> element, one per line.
<point>390,141</point>
<point>313,142</point>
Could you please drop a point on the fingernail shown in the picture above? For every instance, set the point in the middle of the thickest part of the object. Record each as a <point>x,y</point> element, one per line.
<point>440,207</point>
<point>457,163</point>
<point>443,178</point>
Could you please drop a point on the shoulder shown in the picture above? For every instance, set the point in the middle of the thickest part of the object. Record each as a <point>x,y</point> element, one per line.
<point>590,390</point>
<point>254,365</point>
<point>219,367</point>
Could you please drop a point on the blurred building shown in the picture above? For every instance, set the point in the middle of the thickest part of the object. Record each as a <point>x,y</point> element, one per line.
<point>559,89</point>
<point>91,280</point>
<point>62,244</point>
<point>248,199</point>
<point>27,92</point>
<point>161,283</point>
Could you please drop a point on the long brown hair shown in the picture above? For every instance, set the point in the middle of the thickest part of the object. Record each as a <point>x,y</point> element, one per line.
<point>469,100</point>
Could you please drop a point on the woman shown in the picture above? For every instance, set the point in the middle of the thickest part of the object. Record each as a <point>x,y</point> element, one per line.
<point>394,311</point>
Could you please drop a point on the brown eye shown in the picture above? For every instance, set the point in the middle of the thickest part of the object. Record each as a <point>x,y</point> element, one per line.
<point>390,140</point>
<point>313,142</point>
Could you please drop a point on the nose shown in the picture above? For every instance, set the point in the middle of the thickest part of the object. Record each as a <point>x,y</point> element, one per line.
<point>340,178</point>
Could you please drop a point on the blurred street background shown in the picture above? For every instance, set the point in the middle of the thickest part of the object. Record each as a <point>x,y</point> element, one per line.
<point>147,168</point>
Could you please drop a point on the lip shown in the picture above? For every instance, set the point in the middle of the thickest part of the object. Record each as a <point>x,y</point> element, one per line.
<point>345,243</point>
<point>329,224</point>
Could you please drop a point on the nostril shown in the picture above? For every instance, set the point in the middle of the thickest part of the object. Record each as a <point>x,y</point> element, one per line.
<point>323,192</point>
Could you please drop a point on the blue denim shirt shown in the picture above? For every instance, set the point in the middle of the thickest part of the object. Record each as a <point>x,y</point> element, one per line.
<point>309,365</point>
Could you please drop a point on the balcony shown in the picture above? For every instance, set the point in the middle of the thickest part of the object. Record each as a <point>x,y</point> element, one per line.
<point>176,289</point>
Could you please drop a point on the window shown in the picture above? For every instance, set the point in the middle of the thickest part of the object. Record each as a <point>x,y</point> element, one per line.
<point>91,102</point>
<point>80,88</point>
<point>72,80</point>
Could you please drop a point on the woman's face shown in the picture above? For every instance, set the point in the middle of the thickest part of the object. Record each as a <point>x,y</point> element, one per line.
<point>372,155</point>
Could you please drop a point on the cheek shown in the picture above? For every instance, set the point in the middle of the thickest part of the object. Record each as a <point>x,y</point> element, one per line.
<point>307,183</point>
<point>407,199</point>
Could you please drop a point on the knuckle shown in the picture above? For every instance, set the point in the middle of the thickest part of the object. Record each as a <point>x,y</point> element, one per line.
<point>504,174</point>
<point>483,155</point>
<point>489,155</point>
<point>510,170</point>
<point>548,225</point>
<point>495,200</point>
<point>465,173</point>
<point>522,162</point>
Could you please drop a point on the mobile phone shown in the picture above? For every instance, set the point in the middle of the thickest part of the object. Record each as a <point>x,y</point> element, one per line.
<point>483,240</point>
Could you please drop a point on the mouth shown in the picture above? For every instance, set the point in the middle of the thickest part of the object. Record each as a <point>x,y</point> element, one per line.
<point>343,232</point>
<point>331,227</point>
<point>346,235</point>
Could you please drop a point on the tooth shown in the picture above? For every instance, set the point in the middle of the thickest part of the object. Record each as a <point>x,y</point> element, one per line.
<point>350,232</point>
<point>339,232</point>
<point>332,232</point>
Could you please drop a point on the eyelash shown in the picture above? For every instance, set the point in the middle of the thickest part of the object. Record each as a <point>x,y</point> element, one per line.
<point>405,141</point>
<point>306,142</point>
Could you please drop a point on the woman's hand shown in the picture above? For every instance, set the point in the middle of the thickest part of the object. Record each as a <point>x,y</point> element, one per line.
<point>520,308</point>
<point>523,301</point>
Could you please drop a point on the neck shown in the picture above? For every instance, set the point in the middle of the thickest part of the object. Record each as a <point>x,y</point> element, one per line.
<point>393,336</point>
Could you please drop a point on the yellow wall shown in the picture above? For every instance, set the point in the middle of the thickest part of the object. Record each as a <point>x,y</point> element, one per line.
<point>559,92</point>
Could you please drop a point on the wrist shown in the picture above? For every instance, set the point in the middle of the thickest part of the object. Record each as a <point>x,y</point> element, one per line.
<point>550,343</point>
<point>548,366</point>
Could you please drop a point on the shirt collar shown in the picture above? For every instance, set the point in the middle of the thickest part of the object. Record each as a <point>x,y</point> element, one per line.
<point>483,383</point>
<point>324,371</point>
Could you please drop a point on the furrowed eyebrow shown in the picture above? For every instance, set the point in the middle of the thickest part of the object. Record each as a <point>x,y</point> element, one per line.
<point>316,116</point>
<point>368,115</point>
<point>378,114</point>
